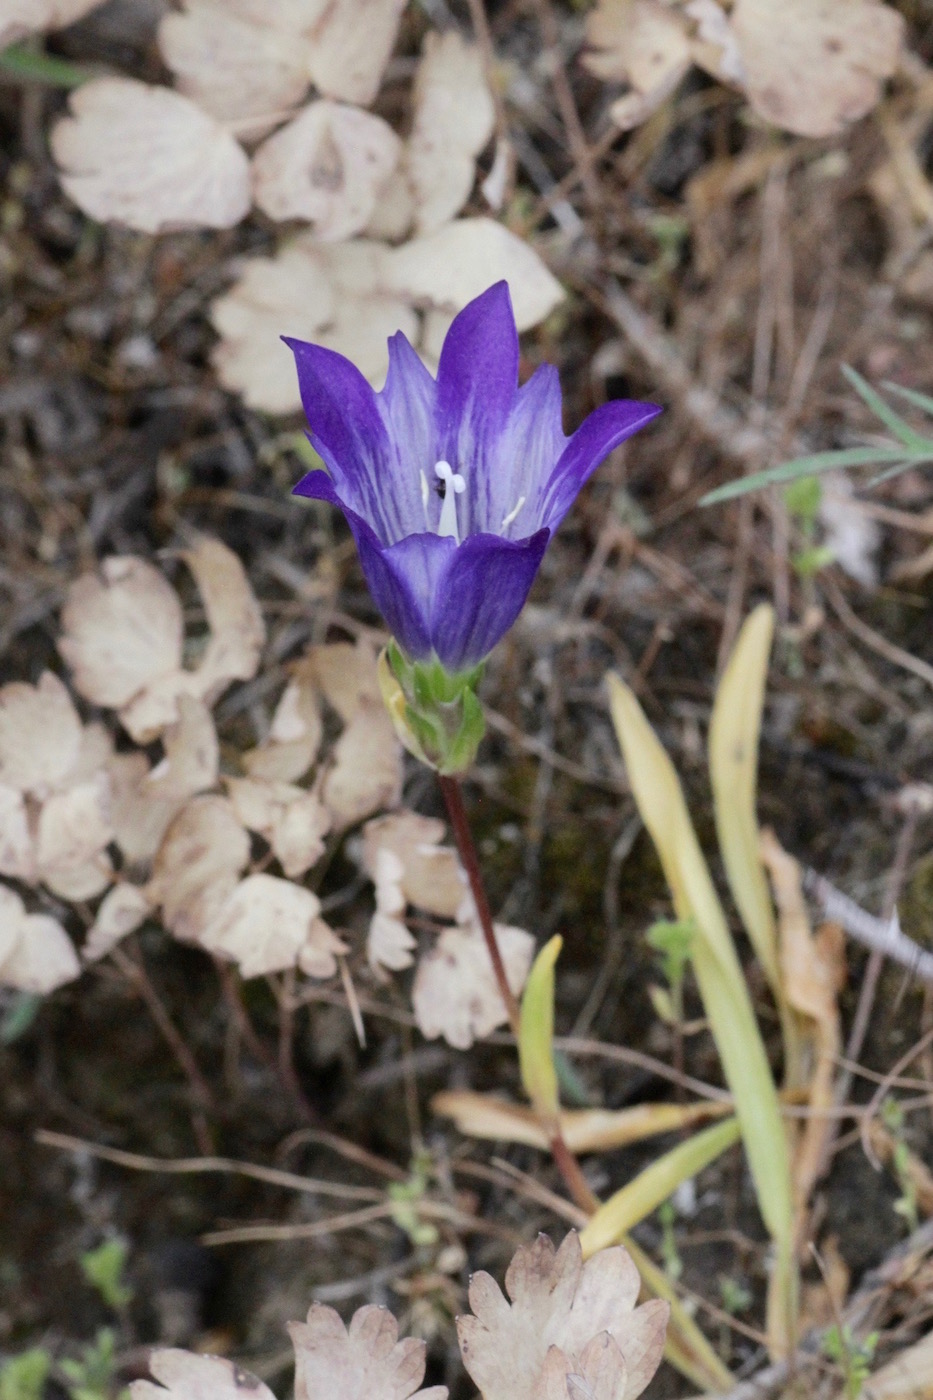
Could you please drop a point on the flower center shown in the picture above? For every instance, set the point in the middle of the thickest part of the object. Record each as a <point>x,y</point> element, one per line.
<point>449,486</point>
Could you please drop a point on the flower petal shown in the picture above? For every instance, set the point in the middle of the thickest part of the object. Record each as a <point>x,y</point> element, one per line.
<point>590,445</point>
<point>481,594</point>
<point>527,452</point>
<point>348,431</point>
<point>405,581</point>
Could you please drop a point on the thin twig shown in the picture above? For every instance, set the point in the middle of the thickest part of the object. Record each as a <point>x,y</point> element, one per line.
<point>134,970</point>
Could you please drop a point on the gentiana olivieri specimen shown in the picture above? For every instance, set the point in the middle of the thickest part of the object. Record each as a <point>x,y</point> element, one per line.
<point>452,488</point>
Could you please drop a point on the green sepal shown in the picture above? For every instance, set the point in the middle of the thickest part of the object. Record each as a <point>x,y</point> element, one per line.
<point>437,713</point>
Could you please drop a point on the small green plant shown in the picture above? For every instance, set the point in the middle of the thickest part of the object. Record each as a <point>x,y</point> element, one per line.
<point>406,1196</point>
<point>803,498</point>
<point>673,1264</point>
<point>892,1116</point>
<point>852,1355</point>
<point>736,1296</point>
<point>104,1267</point>
<point>92,1375</point>
<point>23,1377</point>
<point>673,940</point>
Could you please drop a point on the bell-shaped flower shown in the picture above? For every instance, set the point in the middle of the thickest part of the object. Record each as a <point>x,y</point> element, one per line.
<point>452,486</point>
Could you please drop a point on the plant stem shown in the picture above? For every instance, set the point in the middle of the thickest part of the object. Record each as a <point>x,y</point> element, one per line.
<point>564,1160</point>
<point>453,797</point>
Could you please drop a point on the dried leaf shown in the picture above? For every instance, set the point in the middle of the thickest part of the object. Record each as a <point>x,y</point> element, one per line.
<point>351,46</point>
<point>455,992</point>
<point>431,875</point>
<point>17,857</point>
<point>557,1301</point>
<point>293,821</point>
<point>149,158</point>
<point>453,120</point>
<point>73,833</point>
<point>265,924</point>
<point>40,735</point>
<point>363,1362</point>
<point>848,531</point>
<point>240,62</point>
<point>140,817</point>
<point>344,674</point>
<point>328,166</point>
<point>814,66</point>
<point>644,43</point>
<point>18,18</point>
<point>122,632</point>
<point>185,1376</point>
<point>365,775</point>
<point>122,910</point>
<point>197,865</point>
<point>36,954</point>
<point>192,755</point>
<point>452,266</point>
<point>715,47</point>
<point>237,631</point>
<point>389,943</point>
<point>907,1376</point>
<point>294,735</point>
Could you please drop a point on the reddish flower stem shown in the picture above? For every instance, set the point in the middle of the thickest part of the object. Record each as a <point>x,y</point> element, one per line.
<point>564,1160</point>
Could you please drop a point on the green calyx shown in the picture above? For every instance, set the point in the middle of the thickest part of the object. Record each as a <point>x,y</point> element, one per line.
<point>437,716</point>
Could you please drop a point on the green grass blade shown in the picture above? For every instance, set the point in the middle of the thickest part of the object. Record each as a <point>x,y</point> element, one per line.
<point>536,1033</point>
<point>814,464</point>
<point>28,65</point>
<point>892,421</point>
<point>922,401</point>
<point>685,1347</point>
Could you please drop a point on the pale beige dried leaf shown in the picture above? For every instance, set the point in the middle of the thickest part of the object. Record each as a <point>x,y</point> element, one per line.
<point>455,992</point>
<point>365,774</point>
<point>40,735</point>
<point>185,1376</point>
<point>237,630</point>
<point>123,908</point>
<point>150,712</point>
<point>18,18</point>
<point>197,865</point>
<point>149,158</point>
<point>361,329</point>
<point>907,1376</point>
<point>394,211</point>
<point>345,675</point>
<point>350,48</point>
<point>641,42</point>
<point>327,166</point>
<point>73,832</point>
<point>431,875</point>
<point>599,1374</point>
<point>389,943</point>
<point>363,1362</point>
<point>814,66</point>
<point>242,68</point>
<point>292,820</point>
<point>36,954</point>
<point>715,47</point>
<point>66,12</point>
<point>452,266</point>
<point>558,1302</point>
<point>17,856</point>
<point>264,925</point>
<point>192,755</point>
<point>294,735</point>
<point>122,631</point>
<point>453,120</point>
<point>258,803</point>
<point>318,958</point>
<point>140,818</point>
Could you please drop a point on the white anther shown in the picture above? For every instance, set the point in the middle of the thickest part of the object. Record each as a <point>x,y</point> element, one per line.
<point>454,486</point>
<point>507,520</point>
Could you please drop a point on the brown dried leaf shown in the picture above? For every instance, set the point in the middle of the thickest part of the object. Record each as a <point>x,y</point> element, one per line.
<point>140,818</point>
<point>122,910</point>
<point>185,1376</point>
<point>73,833</point>
<point>40,735</point>
<point>17,856</point>
<point>122,632</point>
<point>455,992</point>
<point>814,66</point>
<point>431,875</point>
<point>329,166</point>
<point>192,756</point>
<point>237,63</point>
<point>644,43</point>
<point>365,775</point>
<point>266,924</point>
<point>363,1362</point>
<point>294,735</point>
<point>345,675</point>
<point>237,630</point>
<point>149,158</point>
<point>36,954</point>
<point>453,120</point>
<point>559,1302</point>
<point>293,821</point>
<point>350,48</point>
<point>452,266</point>
<point>197,865</point>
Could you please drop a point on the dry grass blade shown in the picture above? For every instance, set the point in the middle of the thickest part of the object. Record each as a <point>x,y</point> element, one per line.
<point>660,800</point>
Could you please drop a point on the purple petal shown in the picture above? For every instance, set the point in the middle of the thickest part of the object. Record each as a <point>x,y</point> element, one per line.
<point>348,431</point>
<point>526,453</point>
<point>405,582</point>
<point>481,595</point>
<point>590,445</point>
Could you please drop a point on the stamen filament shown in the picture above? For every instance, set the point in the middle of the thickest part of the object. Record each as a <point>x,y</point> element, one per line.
<point>507,520</point>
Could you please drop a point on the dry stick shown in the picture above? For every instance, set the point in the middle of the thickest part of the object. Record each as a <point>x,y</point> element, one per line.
<point>134,970</point>
<point>576,136</point>
<point>566,1163</point>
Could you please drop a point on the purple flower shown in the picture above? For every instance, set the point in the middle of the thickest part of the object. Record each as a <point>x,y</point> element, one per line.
<point>452,487</point>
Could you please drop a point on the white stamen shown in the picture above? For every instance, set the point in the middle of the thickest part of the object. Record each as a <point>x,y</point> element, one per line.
<point>425,497</point>
<point>455,486</point>
<point>507,520</point>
